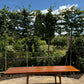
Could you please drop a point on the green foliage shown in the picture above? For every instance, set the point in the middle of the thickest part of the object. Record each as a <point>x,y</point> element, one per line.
<point>10,48</point>
<point>49,24</point>
<point>77,52</point>
<point>1,45</point>
<point>43,48</point>
<point>77,46</point>
<point>17,46</point>
<point>60,52</point>
<point>22,37</point>
<point>39,24</point>
<point>1,55</point>
<point>33,44</point>
<point>82,64</point>
<point>42,42</point>
<point>59,42</point>
<point>73,21</point>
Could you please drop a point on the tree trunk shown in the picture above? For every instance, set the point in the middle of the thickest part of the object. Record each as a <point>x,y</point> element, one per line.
<point>48,52</point>
<point>68,45</point>
<point>26,54</point>
<point>71,49</point>
<point>5,56</point>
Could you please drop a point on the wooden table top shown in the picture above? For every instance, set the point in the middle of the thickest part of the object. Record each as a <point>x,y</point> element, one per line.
<point>41,69</point>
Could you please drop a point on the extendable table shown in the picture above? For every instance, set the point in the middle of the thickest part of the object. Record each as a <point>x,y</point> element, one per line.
<point>42,70</point>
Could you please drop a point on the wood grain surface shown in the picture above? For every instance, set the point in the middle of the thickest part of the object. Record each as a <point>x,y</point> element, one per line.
<point>41,70</point>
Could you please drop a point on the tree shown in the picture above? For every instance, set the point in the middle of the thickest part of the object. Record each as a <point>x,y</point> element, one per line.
<point>45,25</point>
<point>60,25</point>
<point>73,22</point>
<point>25,19</point>
<point>39,25</point>
<point>4,29</point>
<point>49,25</point>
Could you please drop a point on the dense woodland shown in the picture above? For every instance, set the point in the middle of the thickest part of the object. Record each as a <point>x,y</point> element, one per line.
<point>28,38</point>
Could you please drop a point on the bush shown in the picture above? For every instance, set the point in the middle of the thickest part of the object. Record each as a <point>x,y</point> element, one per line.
<point>59,42</point>
<point>77,49</point>
<point>42,42</point>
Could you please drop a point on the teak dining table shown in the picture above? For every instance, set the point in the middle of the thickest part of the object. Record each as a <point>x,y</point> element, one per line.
<point>41,70</point>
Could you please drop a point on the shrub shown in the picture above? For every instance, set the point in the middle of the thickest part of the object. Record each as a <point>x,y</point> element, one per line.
<point>77,49</point>
<point>59,42</point>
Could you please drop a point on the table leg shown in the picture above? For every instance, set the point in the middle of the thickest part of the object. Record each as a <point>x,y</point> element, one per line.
<point>27,78</point>
<point>55,78</point>
<point>60,77</point>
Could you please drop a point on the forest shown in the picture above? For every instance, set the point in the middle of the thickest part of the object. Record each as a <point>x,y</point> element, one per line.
<point>31,38</point>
